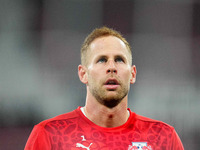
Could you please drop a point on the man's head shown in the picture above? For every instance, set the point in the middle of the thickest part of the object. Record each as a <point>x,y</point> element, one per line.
<point>100,32</point>
<point>106,68</point>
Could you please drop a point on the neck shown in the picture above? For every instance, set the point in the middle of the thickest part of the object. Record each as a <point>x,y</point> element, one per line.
<point>107,117</point>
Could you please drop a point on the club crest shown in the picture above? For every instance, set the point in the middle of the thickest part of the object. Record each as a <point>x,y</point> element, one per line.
<point>139,146</point>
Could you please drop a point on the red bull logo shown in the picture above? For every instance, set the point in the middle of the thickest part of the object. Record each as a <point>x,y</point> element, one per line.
<point>139,146</point>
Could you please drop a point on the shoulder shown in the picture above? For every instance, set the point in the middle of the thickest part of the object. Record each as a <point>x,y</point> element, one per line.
<point>60,119</point>
<point>152,123</point>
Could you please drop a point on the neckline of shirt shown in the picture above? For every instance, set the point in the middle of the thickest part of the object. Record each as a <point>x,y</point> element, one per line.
<point>83,111</point>
<point>123,126</point>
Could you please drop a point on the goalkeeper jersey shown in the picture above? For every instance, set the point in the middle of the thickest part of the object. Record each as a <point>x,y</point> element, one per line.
<point>74,131</point>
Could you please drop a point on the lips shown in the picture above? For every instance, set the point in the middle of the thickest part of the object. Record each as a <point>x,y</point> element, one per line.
<point>111,84</point>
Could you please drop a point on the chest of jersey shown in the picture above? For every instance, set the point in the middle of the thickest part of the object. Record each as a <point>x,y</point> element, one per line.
<point>76,134</point>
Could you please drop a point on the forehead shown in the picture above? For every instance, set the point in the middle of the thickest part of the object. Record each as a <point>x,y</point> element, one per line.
<point>108,44</point>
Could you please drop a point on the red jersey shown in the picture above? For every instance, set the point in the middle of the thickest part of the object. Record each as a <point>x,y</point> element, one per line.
<point>74,131</point>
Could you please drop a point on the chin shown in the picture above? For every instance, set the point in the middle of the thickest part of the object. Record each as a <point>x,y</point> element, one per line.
<point>111,101</point>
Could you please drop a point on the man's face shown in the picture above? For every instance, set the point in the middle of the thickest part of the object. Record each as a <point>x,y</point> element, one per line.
<point>109,72</point>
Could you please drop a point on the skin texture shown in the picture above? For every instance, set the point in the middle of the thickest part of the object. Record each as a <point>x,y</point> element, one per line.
<point>107,76</point>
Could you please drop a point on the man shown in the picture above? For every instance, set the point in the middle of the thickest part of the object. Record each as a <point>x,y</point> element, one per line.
<point>105,122</point>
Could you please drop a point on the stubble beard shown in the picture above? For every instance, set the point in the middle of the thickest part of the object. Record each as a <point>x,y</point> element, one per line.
<point>105,97</point>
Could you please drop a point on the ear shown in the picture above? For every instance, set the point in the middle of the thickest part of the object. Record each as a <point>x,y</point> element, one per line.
<point>133,73</point>
<point>82,74</point>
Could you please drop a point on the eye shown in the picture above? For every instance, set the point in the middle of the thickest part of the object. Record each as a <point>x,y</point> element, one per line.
<point>119,59</point>
<point>102,60</point>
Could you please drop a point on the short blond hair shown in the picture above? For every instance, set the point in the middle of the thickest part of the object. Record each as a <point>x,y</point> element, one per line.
<point>100,32</point>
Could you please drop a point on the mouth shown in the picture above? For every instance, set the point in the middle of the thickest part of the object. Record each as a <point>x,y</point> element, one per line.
<point>111,84</point>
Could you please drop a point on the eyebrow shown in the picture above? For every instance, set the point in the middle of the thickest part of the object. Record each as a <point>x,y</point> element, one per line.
<point>116,56</point>
<point>101,56</point>
<point>120,56</point>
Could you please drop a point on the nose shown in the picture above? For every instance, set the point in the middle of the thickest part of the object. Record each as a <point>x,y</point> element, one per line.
<point>111,68</point>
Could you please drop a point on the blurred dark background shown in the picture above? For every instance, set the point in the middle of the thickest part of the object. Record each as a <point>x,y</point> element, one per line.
<point>40,42</point>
